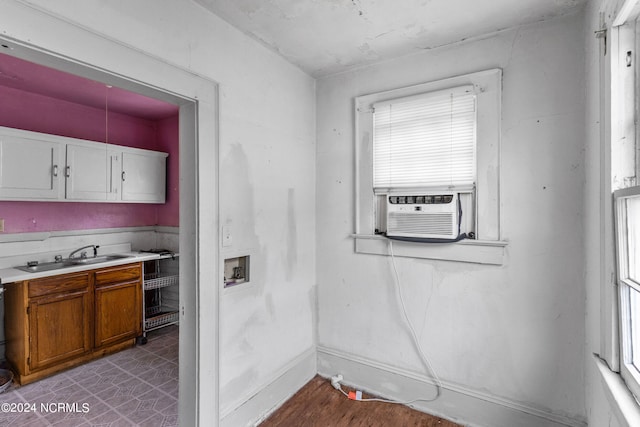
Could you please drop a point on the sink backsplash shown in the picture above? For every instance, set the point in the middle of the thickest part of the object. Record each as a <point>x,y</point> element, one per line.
<point>17,249</point>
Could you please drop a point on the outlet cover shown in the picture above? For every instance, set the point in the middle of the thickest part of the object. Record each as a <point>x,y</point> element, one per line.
<point>227,238</point>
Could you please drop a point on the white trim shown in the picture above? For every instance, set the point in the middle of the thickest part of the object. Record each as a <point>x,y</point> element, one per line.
<point>491,252</point>
<point>260,401</point>
<point>167,229</point>
<point>624,405</point>
<point>44,235</point>
<point>457,402</point>
<point>606,262</point>
<point>628,12</point>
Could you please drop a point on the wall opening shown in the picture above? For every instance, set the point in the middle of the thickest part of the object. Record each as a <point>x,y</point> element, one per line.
<point>188,201</point>
<point>236,271</point>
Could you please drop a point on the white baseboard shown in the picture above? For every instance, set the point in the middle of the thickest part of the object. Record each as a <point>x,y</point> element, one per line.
<point>261,403</point>
<point>456,403</point>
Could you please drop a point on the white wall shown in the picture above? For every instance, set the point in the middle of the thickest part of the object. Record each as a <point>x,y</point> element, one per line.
<point>267,171</point>
<point>513,333</point>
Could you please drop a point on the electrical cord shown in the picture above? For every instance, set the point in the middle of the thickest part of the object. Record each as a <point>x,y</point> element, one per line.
<point>376,399</point>
<point>335,382</point>
<point>421,352</point>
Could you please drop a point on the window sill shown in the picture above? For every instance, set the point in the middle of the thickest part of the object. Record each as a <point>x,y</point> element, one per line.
<point>473,251</point>
<point>623,404</point>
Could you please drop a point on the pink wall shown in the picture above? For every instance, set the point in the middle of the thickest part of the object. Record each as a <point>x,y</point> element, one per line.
<point>29,111</point>
<point>168,136</point>
<point>23,217</point>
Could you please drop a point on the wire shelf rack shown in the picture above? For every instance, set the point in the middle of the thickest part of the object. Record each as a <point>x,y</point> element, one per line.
<point>156,281</point>
<point>161,319</point>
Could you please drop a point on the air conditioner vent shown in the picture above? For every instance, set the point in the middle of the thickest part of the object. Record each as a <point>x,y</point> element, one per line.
<point>421,223</point>
<point>431,216</point>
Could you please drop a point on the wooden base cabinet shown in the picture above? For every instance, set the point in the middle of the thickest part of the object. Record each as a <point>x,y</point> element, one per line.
<point>57,322</point>
<point>118,314</point>
<point>59,327</point>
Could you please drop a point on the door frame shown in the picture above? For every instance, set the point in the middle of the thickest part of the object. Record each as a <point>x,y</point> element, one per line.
<point>111,62</point>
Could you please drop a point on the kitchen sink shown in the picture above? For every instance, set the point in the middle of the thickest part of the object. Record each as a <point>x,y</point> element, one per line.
<point>45,266</point>
<point>98,259</point>
<point>70,262</point>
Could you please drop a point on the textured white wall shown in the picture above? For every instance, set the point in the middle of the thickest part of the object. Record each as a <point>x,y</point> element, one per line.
<point>514,331</point>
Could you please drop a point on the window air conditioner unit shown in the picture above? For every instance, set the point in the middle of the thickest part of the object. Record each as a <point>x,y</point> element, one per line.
<point>427,215</point>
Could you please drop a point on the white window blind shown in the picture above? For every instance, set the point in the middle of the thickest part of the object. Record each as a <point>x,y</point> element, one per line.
<point>427,140</point>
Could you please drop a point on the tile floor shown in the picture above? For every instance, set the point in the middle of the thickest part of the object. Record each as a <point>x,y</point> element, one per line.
<point>135,387</point>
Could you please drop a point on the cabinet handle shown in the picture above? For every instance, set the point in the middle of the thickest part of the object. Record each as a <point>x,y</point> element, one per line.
<point>55,170</point>
<point>123,175</point>
<point>68,171</point>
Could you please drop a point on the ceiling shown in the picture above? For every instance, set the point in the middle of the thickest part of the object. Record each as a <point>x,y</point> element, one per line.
<point>324,37</point>
<point>23,75</point>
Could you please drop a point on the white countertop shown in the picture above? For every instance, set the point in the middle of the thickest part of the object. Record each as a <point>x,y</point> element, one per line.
<point>10,275</point>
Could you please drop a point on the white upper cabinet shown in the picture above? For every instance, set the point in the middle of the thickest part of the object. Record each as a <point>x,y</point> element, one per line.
<point>36,166</point>
<point>30,169</point>
<point>86,172</point>
<point>144,176</point>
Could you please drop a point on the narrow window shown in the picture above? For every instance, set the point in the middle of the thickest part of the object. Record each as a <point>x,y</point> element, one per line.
<point>628,257</point>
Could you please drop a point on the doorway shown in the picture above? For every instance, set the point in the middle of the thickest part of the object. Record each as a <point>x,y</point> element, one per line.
<point>196,98</point>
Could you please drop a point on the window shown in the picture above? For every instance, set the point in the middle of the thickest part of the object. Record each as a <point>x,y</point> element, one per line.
<point>627,202</point>
<point>441,135</point>
<point>621,343</point>
<point>619,353</point>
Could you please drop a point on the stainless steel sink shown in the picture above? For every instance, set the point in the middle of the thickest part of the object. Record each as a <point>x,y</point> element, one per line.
<point>70,262</point>
<point>98,259</point>
<point>46,266</point>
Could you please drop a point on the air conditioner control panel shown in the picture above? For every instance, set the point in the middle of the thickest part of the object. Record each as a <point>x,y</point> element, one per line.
<point>421,200</point>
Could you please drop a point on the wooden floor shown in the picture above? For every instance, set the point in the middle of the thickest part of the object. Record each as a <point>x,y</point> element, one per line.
<point>319,404</point>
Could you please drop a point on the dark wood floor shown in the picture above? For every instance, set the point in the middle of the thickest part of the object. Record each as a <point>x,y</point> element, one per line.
<point>318,404</point>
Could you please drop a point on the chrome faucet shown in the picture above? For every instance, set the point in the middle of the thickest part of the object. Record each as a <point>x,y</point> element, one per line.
<point>84,253</point>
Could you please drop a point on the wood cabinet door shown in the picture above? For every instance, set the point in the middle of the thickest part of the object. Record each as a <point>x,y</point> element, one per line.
<point>118,312</point>
<point>59,327</point>
<point>30,169</point>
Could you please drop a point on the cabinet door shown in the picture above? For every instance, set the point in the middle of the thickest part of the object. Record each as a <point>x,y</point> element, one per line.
<point>144,177</point>
<point>59,327</point>
<point>118,304</point>
<point>29,168</point>
<point>86,172</point>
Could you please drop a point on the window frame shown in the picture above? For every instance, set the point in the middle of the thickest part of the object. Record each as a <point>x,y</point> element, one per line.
<point>618,86</point>
<point>630,374</point>
<point>488,248</point>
